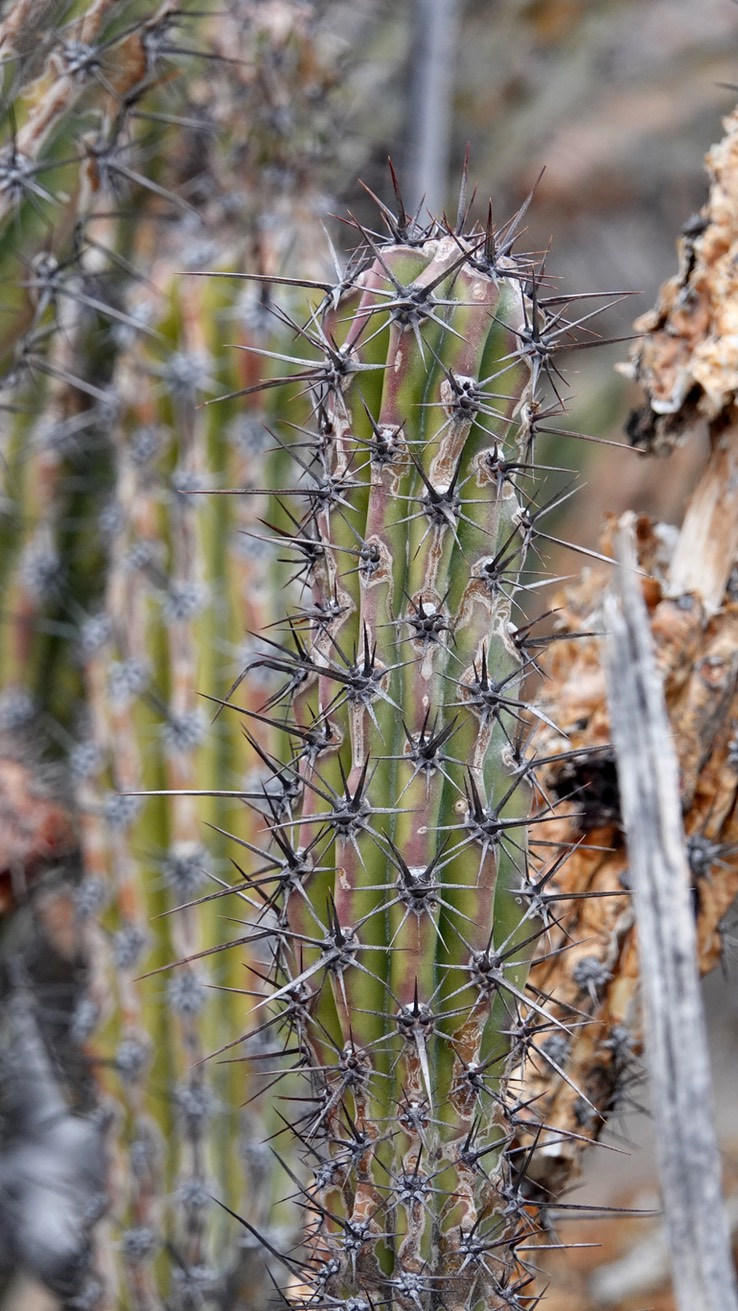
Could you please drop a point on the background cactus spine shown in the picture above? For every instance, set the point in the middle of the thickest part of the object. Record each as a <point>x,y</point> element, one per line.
<point>124,598</point>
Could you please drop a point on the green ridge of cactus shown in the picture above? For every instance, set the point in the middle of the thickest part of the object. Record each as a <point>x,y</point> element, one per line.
<point>396,881</point>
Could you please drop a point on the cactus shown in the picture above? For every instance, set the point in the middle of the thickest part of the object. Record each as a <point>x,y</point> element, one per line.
<point>398,880</point>
<point>417,1000</point>
<point>114,578</point>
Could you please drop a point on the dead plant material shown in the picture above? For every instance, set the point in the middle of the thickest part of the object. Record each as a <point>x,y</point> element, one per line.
<point>687,362</point>
<point>589,895</point>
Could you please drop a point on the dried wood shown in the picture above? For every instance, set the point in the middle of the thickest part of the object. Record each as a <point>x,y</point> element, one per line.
<point>689,585</point>
<point>676,1043</point>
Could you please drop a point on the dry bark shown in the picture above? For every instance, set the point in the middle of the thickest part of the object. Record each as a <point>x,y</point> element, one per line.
<point>686,361</point>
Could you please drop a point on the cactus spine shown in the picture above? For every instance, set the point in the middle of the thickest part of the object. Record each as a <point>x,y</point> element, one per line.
<point>394,881</point>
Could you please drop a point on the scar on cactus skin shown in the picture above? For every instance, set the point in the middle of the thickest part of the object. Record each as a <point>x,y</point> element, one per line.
<point>398,881</point>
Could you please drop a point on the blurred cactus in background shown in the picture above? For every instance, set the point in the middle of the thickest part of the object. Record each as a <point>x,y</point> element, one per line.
<point>138,145</point>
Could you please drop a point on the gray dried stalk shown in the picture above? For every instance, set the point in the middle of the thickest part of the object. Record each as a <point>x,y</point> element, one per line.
<point>675,1034</point>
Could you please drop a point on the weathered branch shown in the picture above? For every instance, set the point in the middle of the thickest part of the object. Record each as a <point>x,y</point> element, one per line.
<point>675,1037</point>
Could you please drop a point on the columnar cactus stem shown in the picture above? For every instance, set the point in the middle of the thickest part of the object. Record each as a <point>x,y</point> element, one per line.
<point>401,909</point>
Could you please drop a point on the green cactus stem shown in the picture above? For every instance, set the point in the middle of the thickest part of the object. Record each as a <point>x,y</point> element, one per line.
<point>396,870</point>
